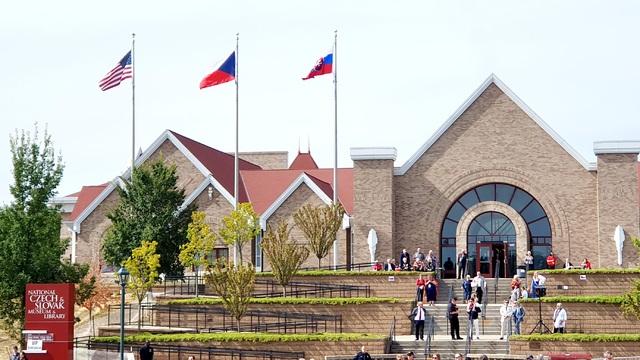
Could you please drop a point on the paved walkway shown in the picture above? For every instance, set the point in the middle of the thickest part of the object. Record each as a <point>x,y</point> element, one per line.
<point>448,338</point>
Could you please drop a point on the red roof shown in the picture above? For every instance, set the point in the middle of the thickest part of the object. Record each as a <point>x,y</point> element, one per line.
<point>85,198</point>
<point>265,186</point>
<point>303,161</point>
<point>220,165</point>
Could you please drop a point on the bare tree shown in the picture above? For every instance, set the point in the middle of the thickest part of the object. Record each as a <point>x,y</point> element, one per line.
<point>284,255</point>
<point>320,225</point>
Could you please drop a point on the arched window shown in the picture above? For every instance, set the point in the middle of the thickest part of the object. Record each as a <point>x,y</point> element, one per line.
<point>538,226</point>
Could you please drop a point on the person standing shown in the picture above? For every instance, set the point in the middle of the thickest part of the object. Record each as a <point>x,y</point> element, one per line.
<point>432,290</point>
<point>405,255</point>
<point>462,264</point>
<point>537,281</point>
<point>518,316</point>
<point>505,317</point>
<point>559,319</point>
<point>454,322</point>
<point>528,261</point>
<point>15,355</point>
<point>552,260</point>
<point>362,354</point>
<point>419,315</point>
<point>146,352</point>
<point>419,255</point>
<point>466,288</point>
<point>473,309</point>
<point>480,285</point>
<point>420,284</point>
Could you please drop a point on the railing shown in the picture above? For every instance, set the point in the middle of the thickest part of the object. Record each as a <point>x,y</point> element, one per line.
<point>300,289</point>
<point>451,296</point>
<point>508,334</point>
<point>177,352</point>
<point>496,277</point>
<point>467,343</point>
<point>198,319</point>
<point>186,285</point>
<point>365,266</point>
<point>430,336</point>
<point>392,335</point>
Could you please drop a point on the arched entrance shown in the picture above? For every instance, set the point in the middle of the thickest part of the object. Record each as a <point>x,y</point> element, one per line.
<point>481,221</point>
<point>491,245</point>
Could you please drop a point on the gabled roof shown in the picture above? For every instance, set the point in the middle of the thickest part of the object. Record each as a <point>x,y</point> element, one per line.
<point>85,198</point>
<point>207,160</point>
<point>304,161</point>
<point>274,193</point>
<point>492,79</point>
<point>268,189</point>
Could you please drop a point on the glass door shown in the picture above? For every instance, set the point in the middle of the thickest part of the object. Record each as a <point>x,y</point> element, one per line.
<point>484,259</point>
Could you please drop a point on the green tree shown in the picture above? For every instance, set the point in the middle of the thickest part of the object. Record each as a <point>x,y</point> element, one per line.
<point>201,242</point>
<point>143,271</point>
<point>234,285</point>
<point>320,225</point>
<point>149,208</point>
<point>240,227</point>
<point>284,255</point>
<point>30,246</point>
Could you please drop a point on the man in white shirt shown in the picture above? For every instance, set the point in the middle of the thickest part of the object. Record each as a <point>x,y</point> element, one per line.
<point>559,319</point>
<point>481,284</point>
<point>419,315</point>
<point>505,317</point>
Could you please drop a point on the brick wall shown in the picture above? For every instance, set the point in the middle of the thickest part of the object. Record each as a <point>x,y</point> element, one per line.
<point>267,160</point>
<point>595,284</point>
<point>373,318</point>
<point>494,141</point>
<point>596,349</point>
<point>373,208</point>
<point>617,189</point>
<point>582,318</point>
<point>312,349</point>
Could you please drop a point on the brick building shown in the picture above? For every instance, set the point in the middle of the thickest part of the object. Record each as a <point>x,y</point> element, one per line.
<point>494,180</point>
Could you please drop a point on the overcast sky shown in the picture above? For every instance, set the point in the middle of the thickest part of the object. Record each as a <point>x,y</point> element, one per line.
<point>404,67</point>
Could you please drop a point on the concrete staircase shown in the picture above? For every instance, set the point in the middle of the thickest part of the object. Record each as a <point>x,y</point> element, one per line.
<point>489,342</point>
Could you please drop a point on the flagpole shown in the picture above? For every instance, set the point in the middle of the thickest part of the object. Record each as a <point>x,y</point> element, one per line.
<point>235,163</point>
<point>335,139</point>
<point>133,100</point>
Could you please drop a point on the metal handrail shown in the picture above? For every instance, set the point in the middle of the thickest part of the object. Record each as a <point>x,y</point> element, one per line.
<point>176,352</point>
<point>207,321</point>
<point>392,335</point>
<point>496,277</point>
<point>508,334</point>
<point>451,296</point>
<point>430,336</point>
<point>302,289</point>
<point>467,343</point>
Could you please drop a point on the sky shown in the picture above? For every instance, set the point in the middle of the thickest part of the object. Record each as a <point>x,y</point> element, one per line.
<point>404,67</point>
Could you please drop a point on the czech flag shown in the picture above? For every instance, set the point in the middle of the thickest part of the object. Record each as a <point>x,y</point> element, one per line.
<point>323,66</point>
<point>221,72</point>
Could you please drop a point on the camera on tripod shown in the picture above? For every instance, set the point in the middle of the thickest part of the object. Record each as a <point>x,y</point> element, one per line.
<point>541,291</point>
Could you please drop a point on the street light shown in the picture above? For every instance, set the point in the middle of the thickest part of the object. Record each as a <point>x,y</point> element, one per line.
<point>123,278</point>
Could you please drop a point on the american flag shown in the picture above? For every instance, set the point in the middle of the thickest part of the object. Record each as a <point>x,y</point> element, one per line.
<point>123,70</point>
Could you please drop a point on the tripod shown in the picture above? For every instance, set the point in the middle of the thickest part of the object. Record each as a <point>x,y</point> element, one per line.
<point>540,325</point>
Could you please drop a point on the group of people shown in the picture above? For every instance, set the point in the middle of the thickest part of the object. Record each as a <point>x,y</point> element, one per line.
<point>17,355</point>
<point>552,262</point>
<point>419,261</point>
<point>474,288</point>
<point>427,289</point>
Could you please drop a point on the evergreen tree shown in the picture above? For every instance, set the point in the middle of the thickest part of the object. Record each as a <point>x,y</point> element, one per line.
<point>149,208</point>
<point>30,246</point>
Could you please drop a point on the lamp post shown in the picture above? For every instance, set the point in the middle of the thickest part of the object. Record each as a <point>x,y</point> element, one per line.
<point>123,278</point>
